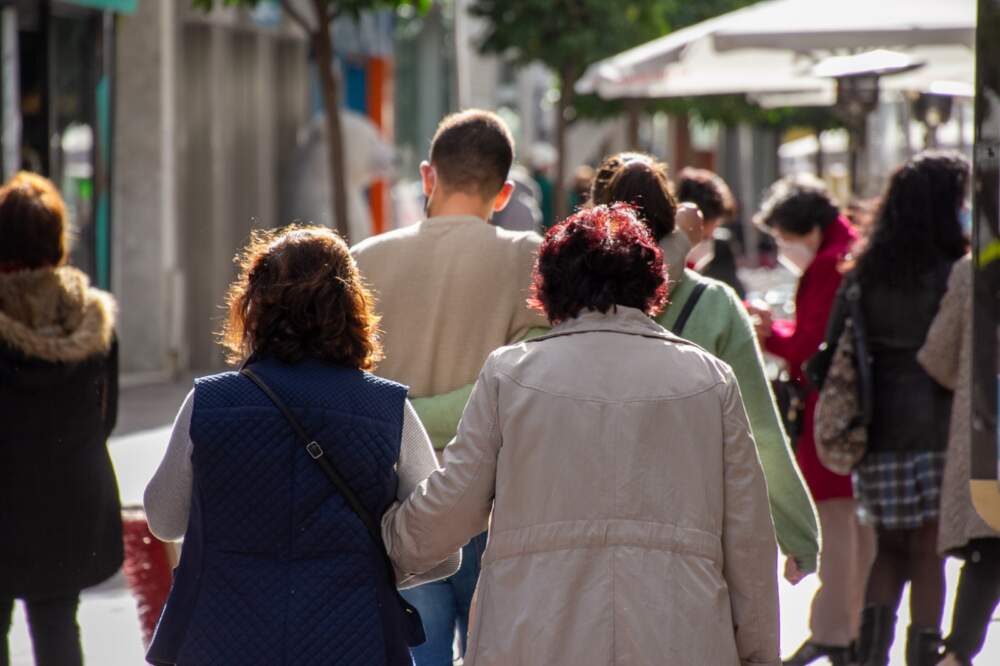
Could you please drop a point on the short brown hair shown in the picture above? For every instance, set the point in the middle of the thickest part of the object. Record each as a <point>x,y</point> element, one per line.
<point>472,152</point>
<point>300,295</point>
<point>33,228</point>
<point>706,190</point>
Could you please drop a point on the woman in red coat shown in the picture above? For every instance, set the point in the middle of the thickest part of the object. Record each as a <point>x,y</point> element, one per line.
<point>814,238</point>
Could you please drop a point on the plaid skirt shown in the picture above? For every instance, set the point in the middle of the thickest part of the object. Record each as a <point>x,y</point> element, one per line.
<point>899,490</point>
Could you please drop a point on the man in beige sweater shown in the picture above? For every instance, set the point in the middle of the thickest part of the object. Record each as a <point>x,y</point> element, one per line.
<point>450,290</point>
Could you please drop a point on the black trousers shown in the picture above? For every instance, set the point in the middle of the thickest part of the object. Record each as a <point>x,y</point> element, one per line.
<point>55,635</point>
<point>976,598</point>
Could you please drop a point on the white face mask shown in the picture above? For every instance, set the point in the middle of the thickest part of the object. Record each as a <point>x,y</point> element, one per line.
<point>795,256</point>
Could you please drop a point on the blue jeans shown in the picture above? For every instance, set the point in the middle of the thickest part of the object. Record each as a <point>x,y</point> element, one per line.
<point>444,606</point>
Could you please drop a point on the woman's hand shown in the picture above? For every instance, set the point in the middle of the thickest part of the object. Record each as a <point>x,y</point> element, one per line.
<point>793,574</point>
<point>763,321</point>
<point>690,221</point>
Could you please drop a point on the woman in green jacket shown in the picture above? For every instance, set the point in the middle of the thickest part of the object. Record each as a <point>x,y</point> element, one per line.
<point>717,321</point>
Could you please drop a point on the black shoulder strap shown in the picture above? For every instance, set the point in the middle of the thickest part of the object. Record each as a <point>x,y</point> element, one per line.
<point>414,628</point>
<point>692,301</point>
<point>316,453</point>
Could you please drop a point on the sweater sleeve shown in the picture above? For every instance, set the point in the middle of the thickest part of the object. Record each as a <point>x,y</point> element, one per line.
<point>941,353</point>
<point>167,498</point>
<point>416,462</point>
<point>749,549</point>
<point>792,508</point>
<point>441,413</point>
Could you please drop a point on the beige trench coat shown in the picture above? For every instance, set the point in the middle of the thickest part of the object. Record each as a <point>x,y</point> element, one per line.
<point>630,522</point>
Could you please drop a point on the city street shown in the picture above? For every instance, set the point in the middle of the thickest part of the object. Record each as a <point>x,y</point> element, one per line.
<point>108,619</point>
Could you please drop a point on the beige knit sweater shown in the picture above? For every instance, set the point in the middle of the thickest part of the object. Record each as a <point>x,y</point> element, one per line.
<point>450,290</point>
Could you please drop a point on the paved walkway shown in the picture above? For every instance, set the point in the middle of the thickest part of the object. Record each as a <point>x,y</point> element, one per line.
<point>108,618</point>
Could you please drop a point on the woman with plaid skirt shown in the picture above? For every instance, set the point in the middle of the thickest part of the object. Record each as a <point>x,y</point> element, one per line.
<point>903,276</point>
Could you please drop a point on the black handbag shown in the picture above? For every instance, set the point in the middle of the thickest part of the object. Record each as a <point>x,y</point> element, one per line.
<point>411,623</point>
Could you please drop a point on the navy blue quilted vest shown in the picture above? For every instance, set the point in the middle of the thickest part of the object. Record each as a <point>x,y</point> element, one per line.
<point>276,568</point>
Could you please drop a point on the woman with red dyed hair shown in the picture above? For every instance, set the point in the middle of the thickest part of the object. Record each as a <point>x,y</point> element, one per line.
<point>630,521</point>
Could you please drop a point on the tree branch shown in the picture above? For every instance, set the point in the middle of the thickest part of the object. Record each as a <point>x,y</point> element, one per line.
<point>297,16</point>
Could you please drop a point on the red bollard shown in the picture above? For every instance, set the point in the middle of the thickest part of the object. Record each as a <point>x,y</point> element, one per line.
<point>148,568</point>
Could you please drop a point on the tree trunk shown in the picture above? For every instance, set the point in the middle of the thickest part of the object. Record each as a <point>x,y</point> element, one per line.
<point>330,83</point>
<point>566,81</point>
<point>633,109</point>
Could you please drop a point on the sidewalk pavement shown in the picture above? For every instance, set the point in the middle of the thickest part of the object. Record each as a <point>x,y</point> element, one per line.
<point>109,622</point>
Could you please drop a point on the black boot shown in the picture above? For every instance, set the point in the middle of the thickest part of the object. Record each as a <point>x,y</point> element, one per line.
<point>878,627</point>
<point>923,646</point>
<point>810,652</point>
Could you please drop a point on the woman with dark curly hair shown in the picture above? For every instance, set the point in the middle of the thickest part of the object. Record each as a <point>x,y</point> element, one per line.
<point>630,521</point>
<point>903,276</point>
<point>277,566</point>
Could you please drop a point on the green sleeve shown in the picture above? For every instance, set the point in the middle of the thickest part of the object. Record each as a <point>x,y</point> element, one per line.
<point>792,508</point>
<point>441,413</point>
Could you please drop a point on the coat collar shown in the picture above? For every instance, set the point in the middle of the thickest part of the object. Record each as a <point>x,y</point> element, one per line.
<point>54,315</point>
<point>620,319</point>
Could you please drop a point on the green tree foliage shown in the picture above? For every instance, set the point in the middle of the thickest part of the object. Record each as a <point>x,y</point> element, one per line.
<point>314,17</point>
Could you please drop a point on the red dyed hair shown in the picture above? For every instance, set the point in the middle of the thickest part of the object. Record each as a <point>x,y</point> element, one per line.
<point>596,259</point>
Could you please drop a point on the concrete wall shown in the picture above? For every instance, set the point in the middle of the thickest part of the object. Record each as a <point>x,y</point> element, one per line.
<point>207,110</point>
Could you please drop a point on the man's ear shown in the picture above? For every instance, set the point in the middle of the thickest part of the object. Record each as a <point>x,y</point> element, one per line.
<point>428,177</point>
<point>503,198</point>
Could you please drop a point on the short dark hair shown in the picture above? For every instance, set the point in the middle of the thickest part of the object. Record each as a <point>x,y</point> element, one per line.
<point>33,229</point>
<point>300,295</point>
<point>644,184</point>
<point>797,204</point>
<point>472,152</point>
<point>596,259</point>
<point>706,190</point>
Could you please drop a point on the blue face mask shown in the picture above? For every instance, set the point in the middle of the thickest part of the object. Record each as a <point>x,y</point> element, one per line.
<point>965,220</point>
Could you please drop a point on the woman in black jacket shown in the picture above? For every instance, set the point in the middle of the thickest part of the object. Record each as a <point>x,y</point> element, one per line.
<point>903,275</point>
<point>60,518</point>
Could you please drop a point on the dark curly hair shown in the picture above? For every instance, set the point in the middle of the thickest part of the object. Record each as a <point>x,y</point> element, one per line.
<point>917,226</point>
<point>706,190</point>
<point>596,259</point>
<point>299,295</point>
<point>797,205</point>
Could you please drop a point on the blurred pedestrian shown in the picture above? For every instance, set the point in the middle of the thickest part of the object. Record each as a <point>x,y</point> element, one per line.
<point>903,275</point>
<point>814,239</point>
<point>610,542</point>
<point>947,357</point>
<point>710,314</point>
<point>714,256</point>
<point>451,289</point>
<point>277,566</point>
<point>522,212</point>
<point>61,518</point>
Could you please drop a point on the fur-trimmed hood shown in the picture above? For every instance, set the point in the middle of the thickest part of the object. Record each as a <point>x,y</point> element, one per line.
<point>54,315</point>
